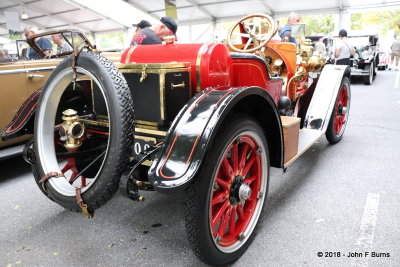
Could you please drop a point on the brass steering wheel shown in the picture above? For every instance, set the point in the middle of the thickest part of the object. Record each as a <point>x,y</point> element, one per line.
<point>258,30</point>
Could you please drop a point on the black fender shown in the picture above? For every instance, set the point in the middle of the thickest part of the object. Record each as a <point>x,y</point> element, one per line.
<point>23,121</point>
<point>191,134</point>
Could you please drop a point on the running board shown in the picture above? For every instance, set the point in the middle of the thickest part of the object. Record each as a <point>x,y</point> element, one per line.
<point>307,137</point>
<point>11,152</point>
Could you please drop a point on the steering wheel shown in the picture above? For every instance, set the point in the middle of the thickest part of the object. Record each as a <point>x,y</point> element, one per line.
<point>257,29</point>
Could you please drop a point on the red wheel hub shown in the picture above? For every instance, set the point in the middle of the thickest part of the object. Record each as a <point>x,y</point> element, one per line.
<point>235,191</point>
<point>341,111</point>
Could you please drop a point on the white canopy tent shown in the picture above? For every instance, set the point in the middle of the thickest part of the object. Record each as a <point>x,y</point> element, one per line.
<point>101,16</point>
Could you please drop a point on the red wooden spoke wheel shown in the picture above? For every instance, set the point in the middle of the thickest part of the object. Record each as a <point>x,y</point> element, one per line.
<point>235,194</point>
<point>341,110</point>
<point>340,113</point>
<point>224,203</point>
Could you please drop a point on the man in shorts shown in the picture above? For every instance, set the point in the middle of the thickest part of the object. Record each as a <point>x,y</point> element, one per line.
<point>395,55</point>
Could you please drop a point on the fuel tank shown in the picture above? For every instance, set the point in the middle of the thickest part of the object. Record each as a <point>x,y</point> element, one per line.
<point>210,64</point>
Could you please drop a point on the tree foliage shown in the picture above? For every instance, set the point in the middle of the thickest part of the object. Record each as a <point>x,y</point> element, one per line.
<point>110,40</point>
<point>384,20</point>
<point>319,24</point>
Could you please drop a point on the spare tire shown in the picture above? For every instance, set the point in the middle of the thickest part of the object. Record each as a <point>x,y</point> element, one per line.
<point>102,100</point>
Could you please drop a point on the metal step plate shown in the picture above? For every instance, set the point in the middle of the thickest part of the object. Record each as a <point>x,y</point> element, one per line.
<point>307,137</point>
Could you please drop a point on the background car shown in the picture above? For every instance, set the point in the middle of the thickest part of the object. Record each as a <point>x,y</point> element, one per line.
<point>384,60</point>
<point>21,80</point>
<point>366,59</point>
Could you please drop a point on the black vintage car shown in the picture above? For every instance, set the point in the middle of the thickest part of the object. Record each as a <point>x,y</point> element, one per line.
<point>366,59</point>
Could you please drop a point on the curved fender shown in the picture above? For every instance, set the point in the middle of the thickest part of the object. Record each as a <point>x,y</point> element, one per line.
<point>193,130</point>
<point>324,97</point>
<point>20,124</point>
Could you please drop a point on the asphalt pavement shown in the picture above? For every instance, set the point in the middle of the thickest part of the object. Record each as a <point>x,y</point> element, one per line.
<point>337,205</point>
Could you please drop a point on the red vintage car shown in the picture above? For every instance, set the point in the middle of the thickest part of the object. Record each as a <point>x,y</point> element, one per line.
<point>207,119</point>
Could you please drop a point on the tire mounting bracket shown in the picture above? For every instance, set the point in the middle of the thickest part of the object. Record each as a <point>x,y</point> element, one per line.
<point>84,207</point>
<point>50,175</point>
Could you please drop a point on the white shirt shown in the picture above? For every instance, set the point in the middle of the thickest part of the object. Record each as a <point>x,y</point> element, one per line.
<point>320,47</point>
<point>346,49</point>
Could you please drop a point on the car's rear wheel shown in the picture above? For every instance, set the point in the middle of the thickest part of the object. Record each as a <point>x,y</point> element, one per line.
<point>83,133</point>
<point>340,114</point>
<point>224,204</point>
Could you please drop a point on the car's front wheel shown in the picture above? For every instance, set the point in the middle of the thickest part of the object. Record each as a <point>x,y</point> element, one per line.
<point>223,205</point>
<point>83,132</point>
<point>370,77</point>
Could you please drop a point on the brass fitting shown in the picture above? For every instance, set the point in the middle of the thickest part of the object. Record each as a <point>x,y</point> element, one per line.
<point>316,63</point>
<point>300,73</point>
<point>73,128</point>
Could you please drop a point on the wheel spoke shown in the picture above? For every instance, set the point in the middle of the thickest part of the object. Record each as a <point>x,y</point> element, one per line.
<point>250,180</point>
<point>234,157</point>
<point>227,168</point>
<point>246,35</point>
<point>252,198</point>
<point>224,222</point>
<point>72,177</point>
<point>248,165</point>
<point>248,43</point>
<point>243,156</point>
<point>219,198</point>
<point>232,222</point>
<point>240,213</point>
<point>83,181</point>
<point>224,184</point>
<point>66,168</point>
<point>219,214</point>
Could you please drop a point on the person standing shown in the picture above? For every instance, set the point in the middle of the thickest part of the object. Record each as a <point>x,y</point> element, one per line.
<point>43,43</point>
<point>286,32</point>
<point>62,45</point>
<point>320,46</point>
<point>344,49</point>
<point>155,33</point>
<point>395,54</point>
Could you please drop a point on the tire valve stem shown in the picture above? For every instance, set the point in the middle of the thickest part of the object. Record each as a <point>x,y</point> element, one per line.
<point>73,128</point>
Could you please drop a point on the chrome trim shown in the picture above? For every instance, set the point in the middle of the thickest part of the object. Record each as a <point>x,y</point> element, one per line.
<point>38,69</point>
<point>31,76</point>
<point>15,71</point>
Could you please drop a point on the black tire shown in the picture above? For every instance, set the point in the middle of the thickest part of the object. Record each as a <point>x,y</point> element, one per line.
<point>376,64</point>
<point>102,178</point>
<point>370,77</point>
<point>240,131</point>
<point>340,113</point>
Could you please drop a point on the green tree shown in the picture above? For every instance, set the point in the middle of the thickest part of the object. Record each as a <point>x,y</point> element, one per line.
<point>384,20</point>
<point>319,24</point>
<point>356,21</point>
<point>110,40</point>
